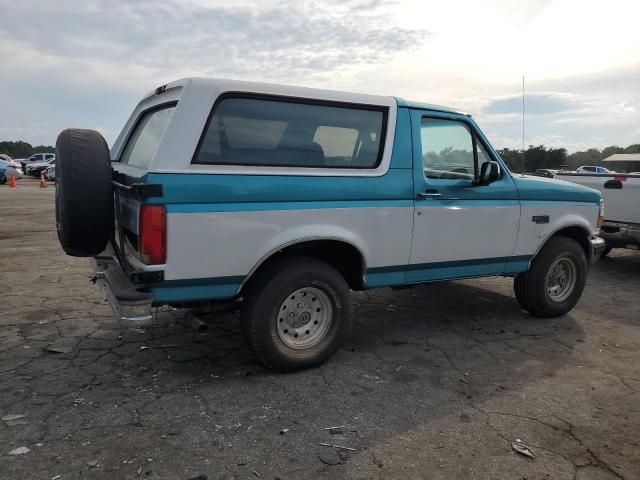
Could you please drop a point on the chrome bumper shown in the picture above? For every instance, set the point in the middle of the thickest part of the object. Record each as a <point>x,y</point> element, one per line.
<point>597,246</point>
<point>133,308</point>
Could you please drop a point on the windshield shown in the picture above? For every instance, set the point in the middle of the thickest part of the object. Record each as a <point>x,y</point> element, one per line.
<point>146,136</point>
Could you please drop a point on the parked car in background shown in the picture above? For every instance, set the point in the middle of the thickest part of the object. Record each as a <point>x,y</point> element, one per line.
<point>593,169</point>
<point>545,172</point>
<point>50,172</point>
<point>35,169</point>
<point>288,198</point>
<point>36,158</point>
<point>3,176</point>
<point>13,168</point>
<point>621,193</point>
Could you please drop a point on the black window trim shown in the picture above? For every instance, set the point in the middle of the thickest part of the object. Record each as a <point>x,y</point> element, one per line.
<point>299,100</point>
<point>139,118</point>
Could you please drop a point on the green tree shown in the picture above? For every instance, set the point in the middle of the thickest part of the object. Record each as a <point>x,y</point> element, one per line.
<point>20,149</point>
<point>612,150</point>
<point>535,157</point>
<point>513,158</point>
<point>635,148</point>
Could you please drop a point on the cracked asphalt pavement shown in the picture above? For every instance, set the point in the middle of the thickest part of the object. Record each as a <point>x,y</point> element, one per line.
<point>434,382</point>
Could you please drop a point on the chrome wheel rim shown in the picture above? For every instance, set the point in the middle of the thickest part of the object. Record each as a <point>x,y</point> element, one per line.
<point>561,279</point>
<point>304,318</point>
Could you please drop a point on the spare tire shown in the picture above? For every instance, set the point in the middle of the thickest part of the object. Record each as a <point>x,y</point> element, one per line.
<point>84,192</point>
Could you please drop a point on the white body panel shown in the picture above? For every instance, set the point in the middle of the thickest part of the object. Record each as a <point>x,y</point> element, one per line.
<point>449,231</point>
<point>219,244</point>
<point>621,205</point>
<point>532,236</point>
<point>196,99</point>
<point>231,237</point>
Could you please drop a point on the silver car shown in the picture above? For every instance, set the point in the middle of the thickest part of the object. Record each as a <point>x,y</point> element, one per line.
<point>50,172</point>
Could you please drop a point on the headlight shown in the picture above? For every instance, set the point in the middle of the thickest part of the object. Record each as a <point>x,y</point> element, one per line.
<point>601,213</point>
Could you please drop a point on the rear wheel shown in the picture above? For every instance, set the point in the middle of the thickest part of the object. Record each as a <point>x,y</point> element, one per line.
<point>606,251</point>
<point>554,283</point>
<point>296,313</point>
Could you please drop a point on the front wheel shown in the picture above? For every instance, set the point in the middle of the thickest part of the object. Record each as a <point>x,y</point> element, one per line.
<point>296,313</point>
<point>554,283</point>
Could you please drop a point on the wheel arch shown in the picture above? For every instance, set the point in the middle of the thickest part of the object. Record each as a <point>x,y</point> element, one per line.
<point>578,232</point>
<point>344,255</point>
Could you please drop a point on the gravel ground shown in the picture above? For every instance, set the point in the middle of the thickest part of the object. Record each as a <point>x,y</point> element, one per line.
<point>435,382</point>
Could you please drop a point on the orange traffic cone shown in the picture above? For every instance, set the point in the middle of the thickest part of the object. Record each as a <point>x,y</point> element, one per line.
<point>12,181</point>
<point>43,182</point>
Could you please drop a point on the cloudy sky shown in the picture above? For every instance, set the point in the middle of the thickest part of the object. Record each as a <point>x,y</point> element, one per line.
<point>86,63</point>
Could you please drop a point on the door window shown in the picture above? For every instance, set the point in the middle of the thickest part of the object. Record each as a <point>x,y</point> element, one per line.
<point>447,149</point>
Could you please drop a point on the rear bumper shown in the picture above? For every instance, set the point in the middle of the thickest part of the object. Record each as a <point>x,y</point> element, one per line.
<point>597,246</point>
<point>132,307</point>
<point>621,235</point>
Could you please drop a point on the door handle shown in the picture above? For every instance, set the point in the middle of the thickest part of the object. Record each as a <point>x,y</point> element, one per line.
<point>428,194</point>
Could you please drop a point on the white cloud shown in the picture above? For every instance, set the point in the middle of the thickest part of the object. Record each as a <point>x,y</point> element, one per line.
<point>98,57</point>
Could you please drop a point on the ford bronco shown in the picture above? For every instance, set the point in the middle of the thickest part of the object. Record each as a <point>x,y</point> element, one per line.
<point>284,199</point>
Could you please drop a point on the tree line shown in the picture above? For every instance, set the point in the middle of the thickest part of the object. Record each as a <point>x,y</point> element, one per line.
<point>22,149</point>
<point>539,156</point>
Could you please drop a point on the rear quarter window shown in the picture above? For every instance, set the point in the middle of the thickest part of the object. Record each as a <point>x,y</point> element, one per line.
<point>146,136</point>
<point>292,133</point>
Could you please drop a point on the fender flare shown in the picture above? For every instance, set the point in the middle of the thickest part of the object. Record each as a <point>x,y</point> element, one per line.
<point>300,241</point>
<point>581,226</point>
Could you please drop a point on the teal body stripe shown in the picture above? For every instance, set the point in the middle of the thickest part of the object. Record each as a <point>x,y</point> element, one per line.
<point>191,290</point>
<point>220,288</point>
<point>436,271</point>
<point>312,205</point>
<point>276,206</point>
<point>194,293</point>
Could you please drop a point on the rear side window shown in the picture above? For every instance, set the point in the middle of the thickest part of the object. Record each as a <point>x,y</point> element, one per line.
<point>275,132</point>
<point>146,136</point>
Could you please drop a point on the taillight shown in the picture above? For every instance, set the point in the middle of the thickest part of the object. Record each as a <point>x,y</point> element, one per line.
<point>153,234</point>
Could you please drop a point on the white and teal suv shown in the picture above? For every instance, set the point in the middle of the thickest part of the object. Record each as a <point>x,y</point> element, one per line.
<point>287,198</point>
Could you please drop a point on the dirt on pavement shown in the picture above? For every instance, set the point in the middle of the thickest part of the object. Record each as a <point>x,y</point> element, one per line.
<point>434,382</point>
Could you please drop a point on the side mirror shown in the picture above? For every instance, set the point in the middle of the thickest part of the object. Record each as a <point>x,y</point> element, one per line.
<point>489,173</point>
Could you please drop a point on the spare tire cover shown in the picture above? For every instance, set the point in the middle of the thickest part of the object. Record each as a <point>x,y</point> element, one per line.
<point>84,192</point>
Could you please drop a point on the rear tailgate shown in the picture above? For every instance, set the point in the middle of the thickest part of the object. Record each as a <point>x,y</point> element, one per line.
<point>129,201</point>
<point>621,193</point>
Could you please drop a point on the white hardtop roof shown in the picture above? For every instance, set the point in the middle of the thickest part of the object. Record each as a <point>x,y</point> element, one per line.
<point>221,84</point>
<point>623,157</point>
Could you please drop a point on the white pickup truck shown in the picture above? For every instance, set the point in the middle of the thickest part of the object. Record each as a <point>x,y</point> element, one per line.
<point>621,194</point>
<point>287,198</point>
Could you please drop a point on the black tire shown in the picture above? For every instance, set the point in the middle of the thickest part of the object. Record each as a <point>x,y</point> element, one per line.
<point>532,287</point>
<point>606,251</point>
<point>84,193</point>
<point>264,298</point>
<point>519,288</point>
<point>3,179</point>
